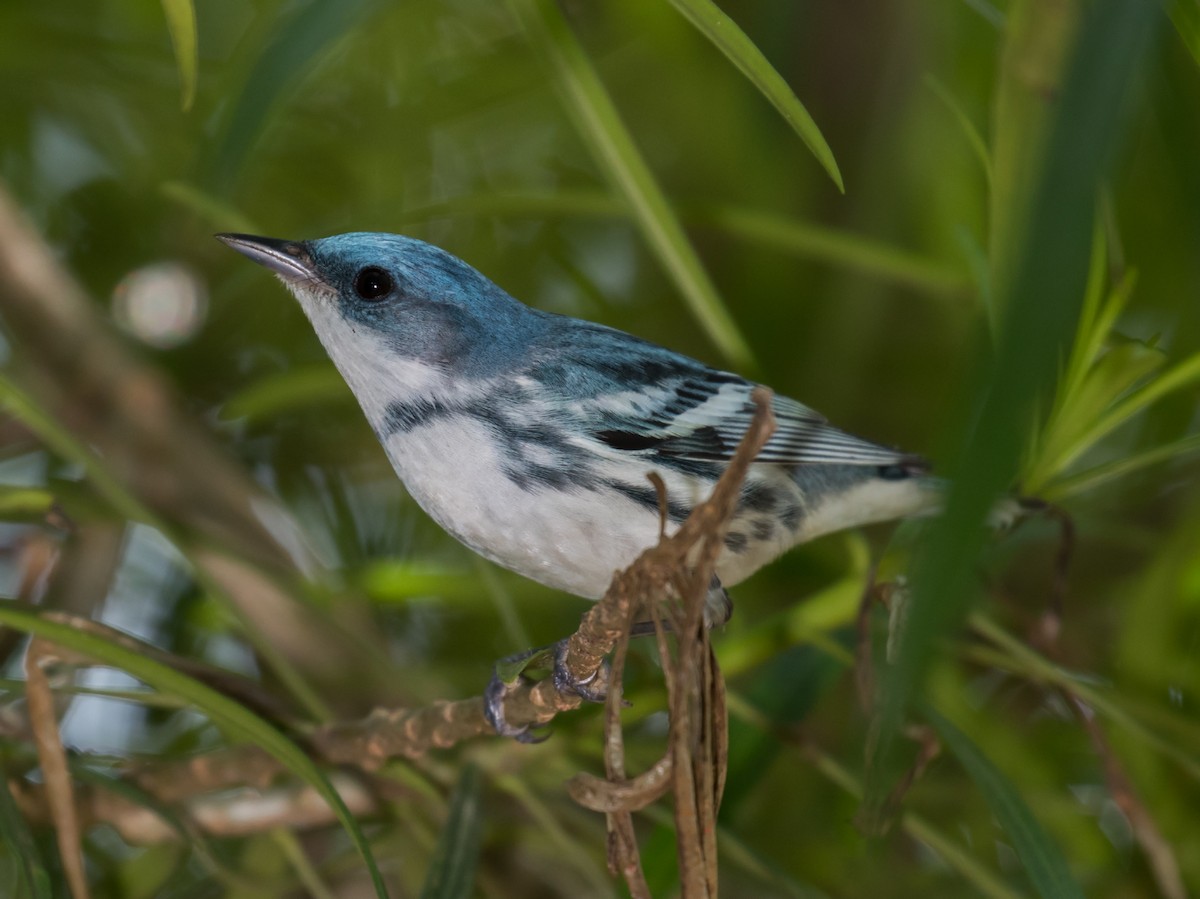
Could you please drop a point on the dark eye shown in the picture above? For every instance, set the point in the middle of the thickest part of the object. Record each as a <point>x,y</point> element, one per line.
<point>373,283</point>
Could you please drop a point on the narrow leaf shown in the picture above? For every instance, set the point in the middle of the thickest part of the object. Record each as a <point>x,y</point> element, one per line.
<point>451,872</point>
<point>303,34</point>
<point>219,214</point>
<point>1041,857</point>
<point>970,132</point>
<point>1102,474</point>
<point>605,134</point>
<point>22,850</point>
<point>25,504</point>
<point>1185,374</point>
<point>299,388</point>
<point>741,51</point>
<point>1185,14</point>
<point>238,722</point>
<point>181,23</point>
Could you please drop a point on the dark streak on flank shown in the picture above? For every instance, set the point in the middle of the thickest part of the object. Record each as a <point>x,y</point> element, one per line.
<point>763,529</point>
<point>648,497</point>
<point>791,516</point>
<point>736,542</point>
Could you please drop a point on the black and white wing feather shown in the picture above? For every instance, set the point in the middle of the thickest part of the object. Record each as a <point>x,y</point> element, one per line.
<point>640,398</point>
<point>705,416</point>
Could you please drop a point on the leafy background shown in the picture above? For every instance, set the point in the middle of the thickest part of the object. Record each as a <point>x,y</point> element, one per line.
<point>609,161</point>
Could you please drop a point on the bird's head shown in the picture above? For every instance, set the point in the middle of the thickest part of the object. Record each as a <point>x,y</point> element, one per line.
<point>384,301</point>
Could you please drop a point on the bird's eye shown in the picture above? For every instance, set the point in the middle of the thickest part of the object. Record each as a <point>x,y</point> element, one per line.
<point>373,283</point>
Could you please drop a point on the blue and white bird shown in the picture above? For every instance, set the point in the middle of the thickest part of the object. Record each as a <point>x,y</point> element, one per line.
<point>529,436</point>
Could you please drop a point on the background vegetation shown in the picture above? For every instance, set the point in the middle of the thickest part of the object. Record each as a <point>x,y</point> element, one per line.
<point>1009,283</point>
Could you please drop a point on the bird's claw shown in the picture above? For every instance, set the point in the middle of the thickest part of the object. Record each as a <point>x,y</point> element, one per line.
<point>590,689</point>
<point>593,688</point>
<point>493,710</point>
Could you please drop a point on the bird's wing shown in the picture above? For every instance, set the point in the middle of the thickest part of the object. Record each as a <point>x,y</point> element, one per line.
<point>704,416</point>
<point>640,398</point>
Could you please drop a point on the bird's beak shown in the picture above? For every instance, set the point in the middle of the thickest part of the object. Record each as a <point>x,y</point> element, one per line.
<point>289,259</point>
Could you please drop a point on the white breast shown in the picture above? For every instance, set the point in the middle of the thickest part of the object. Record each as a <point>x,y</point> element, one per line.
<point>572,540</point>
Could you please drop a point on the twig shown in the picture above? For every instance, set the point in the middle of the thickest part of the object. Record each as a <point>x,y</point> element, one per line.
<point>1159,855</point>
<point>60,795</point>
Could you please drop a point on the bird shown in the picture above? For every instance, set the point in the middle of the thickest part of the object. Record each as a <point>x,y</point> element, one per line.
<point>529,436</point>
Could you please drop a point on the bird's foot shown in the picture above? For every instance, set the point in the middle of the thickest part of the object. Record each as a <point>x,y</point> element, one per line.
<point>510,672</point>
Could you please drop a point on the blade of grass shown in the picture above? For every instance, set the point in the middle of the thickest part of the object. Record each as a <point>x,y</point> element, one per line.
<point>979,877</point>
<point>298,41</point>
<point>451,872</point>
<point>236,720</point>
<point>181,23</point>
<point>1069,431</point>
<point>1101,474</point>
<point>25,504</point>
<point>298,859</point>
<point>1184,374</point>
<point>18,404</point>
<point>219,214</point>
<point>1043,304</point>
<point>297,388</point>
<point>1041,857</point>
<point>832,246</point>
<point>18,842</point>
<point>741,51</point>
<point>974,139</point>
<point>1185,15</point>
<point>602,130</point>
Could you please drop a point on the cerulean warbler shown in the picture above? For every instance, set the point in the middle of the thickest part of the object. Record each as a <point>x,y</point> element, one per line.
<point>528,436</point>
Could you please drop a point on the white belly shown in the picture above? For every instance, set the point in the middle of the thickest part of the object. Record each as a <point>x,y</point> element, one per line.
<point>572,540</point>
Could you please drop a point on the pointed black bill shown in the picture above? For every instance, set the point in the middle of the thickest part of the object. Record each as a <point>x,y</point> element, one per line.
<point>289,259</point>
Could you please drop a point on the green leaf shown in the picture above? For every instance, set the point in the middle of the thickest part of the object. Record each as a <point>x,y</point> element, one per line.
<point>298,388</point>
<point>238,722</point>
<point>219,214</point>
<point>22,850</point>
<point>1102,474</point>
<point>1185,14</point>
<point>451,872</point>
<point>741,51</point>
<point>25,504</point>
<point>1070,430</point>
<point>835,247</point>
<point>300,38</point>
<point>606,136</point>
<point>1185,374</point>
<point>970,132</point>
<point>181,23</point>
<point>58,440</point>
<point>1039,854</point>
<point>395,581</point>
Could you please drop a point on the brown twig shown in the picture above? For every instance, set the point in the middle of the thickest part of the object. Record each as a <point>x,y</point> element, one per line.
<point>1049,626</point>
<point>1164,867</point>
<point>60,796</point>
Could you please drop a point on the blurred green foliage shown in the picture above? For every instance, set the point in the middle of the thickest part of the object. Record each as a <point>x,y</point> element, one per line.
<point>611,161</point>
